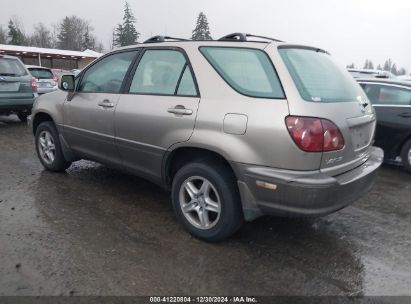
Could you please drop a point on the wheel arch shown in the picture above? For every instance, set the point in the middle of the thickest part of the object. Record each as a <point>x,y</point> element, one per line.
<point>40,117</point>
<point>178,157</point>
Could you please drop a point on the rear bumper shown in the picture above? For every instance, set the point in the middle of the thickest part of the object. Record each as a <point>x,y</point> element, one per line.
<point>41,90</point>
<point>17,104</point>
<point>303,193</point>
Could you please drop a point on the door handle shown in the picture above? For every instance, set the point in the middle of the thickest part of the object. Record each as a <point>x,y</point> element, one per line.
<point>405,114</point>
<point>106,104</point>
<point>180,110</point>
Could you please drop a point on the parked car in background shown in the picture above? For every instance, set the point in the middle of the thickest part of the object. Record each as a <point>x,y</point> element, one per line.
<point>370,73</point>
<point>392,102</point>
<point>59,72</point>
<point>404,77</point>
<point>46,81</point>
<point>281,128</point>
<point>76,71</point>
<point>18,88</point>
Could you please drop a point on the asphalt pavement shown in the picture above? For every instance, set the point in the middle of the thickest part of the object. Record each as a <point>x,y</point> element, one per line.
<point>97,231</point>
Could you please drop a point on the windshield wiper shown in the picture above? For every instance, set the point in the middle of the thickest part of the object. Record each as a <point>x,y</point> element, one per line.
<point>8,74</point>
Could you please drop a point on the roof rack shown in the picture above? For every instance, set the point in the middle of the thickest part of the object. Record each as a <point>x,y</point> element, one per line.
<point>243,37</point>
<point>163,39</point>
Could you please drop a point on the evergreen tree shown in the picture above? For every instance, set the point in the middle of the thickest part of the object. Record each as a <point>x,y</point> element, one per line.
<point>15,35</point>
<point>370,65</point>
<point>394,69</point>
<point>379,67</point>
<point>126,33</point>
<point>202,30</point>
<point>366,64</point>
<point>351,66</point>
<point>3,35</point>
<point>387,65</point>
<point>402,71</point>
<point>88,40</point>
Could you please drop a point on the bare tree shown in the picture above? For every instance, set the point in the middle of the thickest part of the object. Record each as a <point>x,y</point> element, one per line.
<point>72,32</point>
<point>42,36</point>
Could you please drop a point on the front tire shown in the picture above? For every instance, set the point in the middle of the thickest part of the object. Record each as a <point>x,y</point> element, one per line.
<point>206,200</point>
<point>406,156</point>
<point>48,148</point>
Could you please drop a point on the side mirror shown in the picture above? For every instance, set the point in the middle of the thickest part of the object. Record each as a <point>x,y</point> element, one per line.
<point>66,83</point>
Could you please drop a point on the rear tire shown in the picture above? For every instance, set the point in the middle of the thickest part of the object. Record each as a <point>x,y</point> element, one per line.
<point>206,200</point>
<point>406,156</point>
<point>22,115</point>
<point>49,149</point>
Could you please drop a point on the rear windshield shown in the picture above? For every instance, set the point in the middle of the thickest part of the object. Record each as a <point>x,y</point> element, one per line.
<point>11,67</point>
<point>248,71</point>
<point>318,78</point>
<point>41,73</point>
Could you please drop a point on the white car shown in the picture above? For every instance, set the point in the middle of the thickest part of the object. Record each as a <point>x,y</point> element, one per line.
<point>405,77</point>
<point>45,79</point>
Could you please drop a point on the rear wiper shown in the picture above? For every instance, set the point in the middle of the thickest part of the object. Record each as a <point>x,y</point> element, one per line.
<point>8,74</point>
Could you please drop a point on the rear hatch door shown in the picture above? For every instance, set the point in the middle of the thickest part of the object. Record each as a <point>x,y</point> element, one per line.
<point>15,81</point>
<point>322,89</point>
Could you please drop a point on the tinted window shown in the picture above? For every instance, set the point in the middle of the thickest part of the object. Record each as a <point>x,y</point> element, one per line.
<point>382,94</point>
<point>41,73</point>
<point>160,71</point>
<point>11,67</point>
<point>248,71</point>
<point>318,78</point>
<point>107,75</point>
<point>187,86</point>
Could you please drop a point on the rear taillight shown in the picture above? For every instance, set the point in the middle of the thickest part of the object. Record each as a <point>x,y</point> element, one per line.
<point>314,134</point>
<point>55,78</point>
<point>34,84</point>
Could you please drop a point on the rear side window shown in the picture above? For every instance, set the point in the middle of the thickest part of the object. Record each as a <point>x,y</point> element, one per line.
<point>248,71</point>
<point>11,67</point>
<point>41,73</point>
<point>318,78</point>
<point>107,75</point>
<point>387,95</point>
<point>163,72</point>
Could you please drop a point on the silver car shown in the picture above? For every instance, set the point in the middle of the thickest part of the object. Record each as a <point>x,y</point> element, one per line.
<point>45,79</point>
<point>233,128</point>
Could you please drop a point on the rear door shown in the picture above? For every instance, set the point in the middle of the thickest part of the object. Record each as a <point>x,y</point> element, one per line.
<point>158,110</point>
<point>15,82</point>
<point>393,106</point>
<point>317,87</point>
<point>89,112</point>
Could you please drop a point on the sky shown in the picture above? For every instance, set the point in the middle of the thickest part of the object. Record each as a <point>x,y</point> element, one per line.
<point>351,30</point>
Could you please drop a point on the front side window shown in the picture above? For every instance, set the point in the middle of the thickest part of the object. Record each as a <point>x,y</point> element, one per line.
<point>163,72</point>
<point>248,71</point>
<point>107,75</point>
<point>318,78</point>
<point>387,95</point>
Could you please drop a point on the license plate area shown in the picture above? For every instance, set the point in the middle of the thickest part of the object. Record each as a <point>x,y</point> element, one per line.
<point>9,86</point>
<point>361,136</point>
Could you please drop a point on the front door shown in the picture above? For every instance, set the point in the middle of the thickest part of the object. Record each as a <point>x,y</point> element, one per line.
<point>158,110</point>
<point>89,112</point>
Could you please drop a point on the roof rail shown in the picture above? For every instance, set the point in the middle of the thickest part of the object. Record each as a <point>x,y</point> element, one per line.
<point>163,39</point>
<point>243,37</point>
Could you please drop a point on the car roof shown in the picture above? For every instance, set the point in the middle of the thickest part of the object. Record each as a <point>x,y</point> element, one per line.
<point>36,67</point>
<point>386,81</point>
<point>8,56</point>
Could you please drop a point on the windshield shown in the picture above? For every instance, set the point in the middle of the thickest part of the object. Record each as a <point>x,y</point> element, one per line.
<point>41,73</point>
<point>11,67</point>
<point>318,78</point>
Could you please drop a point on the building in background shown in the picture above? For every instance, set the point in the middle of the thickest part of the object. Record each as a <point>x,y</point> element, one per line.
<point>51,58</point>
